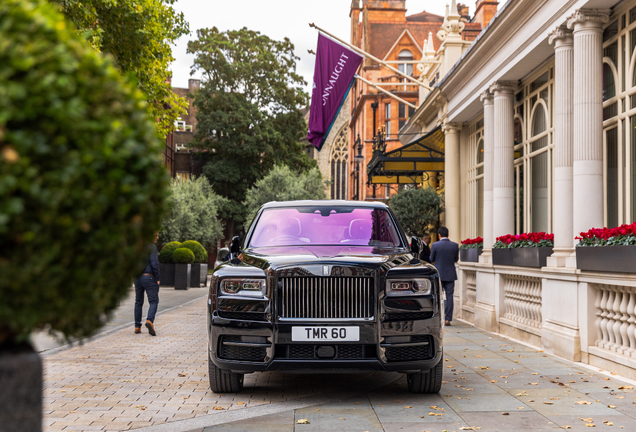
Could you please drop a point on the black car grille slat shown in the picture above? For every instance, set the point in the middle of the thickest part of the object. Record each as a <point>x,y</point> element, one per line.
<point>408,316</point>
<point>411,353</point>
<point>342,352</point>
<point>242,353</point>
<point>326,297</point>
<point>243,316</point>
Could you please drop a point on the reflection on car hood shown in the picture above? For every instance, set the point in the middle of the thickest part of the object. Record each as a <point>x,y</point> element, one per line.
<point>276,257</point>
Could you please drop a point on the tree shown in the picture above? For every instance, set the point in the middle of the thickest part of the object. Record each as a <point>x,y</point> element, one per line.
<point>282,184</point>
<point>193,213</point>
<point>138,34</point>
<point>248,117</point>
<point>417,210</point>
<point>81,181</point>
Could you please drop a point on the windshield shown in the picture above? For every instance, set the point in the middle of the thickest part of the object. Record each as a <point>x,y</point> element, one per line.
<point>323,225</point>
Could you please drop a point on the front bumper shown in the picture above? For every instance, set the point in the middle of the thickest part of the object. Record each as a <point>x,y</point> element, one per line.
<point>274,341</point>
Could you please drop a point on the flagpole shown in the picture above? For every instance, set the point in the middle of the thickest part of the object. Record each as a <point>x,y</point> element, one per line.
<point>375,59</point>
<point>384,91</point>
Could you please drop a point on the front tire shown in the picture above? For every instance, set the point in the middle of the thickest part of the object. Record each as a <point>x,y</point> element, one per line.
<point>428,382</point>
<point>224,381</point>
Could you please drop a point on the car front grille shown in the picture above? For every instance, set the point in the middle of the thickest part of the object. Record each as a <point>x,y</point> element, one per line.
<point>243,353</point>
<point>341,352</point>
<point>411,353</point>
<point>408,316</point>
<point>326,297</point>
<point>243,316</point>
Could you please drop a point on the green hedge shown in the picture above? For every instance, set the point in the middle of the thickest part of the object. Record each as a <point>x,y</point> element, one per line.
<point>200,254</point>
<point>165,256</point>
<point>80,171</point>
<point>183,256</point>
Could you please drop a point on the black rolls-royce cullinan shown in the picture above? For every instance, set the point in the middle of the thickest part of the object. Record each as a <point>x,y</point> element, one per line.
<point>330,286</point>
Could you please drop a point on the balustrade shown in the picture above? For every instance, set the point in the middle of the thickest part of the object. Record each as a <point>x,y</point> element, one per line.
<point>522,301</point>
<point>616,319</point>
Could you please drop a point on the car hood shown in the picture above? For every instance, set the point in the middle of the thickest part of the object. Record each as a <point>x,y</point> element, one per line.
<point>279,257</point>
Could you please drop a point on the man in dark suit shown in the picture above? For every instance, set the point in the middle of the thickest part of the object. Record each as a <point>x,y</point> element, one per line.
<point>148,282</point>
<point>444,254</point>
<point>425,254</point>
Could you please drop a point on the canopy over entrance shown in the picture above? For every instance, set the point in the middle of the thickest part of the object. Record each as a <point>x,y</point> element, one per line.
<point>419,162</point>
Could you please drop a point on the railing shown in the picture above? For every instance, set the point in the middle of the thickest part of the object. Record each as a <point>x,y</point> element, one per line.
<point>522,301</point>
<point>400,84</point>
<point>616,319</point>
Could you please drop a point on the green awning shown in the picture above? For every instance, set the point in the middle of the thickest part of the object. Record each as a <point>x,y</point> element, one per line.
<point>416,162</point>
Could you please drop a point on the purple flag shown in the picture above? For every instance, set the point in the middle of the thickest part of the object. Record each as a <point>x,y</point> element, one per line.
<point>335,67</point>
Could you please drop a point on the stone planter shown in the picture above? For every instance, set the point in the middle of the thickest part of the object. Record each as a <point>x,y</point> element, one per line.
<point>204,274</point>
<point>167,274</point>
<point>522,257</point>
<point>21,395</point>
<point>613,259</point>
<point>470,255</point>
<point>182,276</point>
<point>195,275</point>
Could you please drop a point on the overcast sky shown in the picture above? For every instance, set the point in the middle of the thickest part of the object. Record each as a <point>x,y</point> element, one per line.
<point>276,19</point>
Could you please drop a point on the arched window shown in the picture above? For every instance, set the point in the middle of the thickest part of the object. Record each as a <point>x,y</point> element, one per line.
<point>339,157</point>
<point>539,163</point>
<point>609,87</point>
<point>407,68</point>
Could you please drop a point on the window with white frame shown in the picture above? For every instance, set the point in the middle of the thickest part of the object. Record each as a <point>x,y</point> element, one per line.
<point>407,68</point>
<point>387,119</point>
<point>476,178</point>
<point>619,116</point>
<point>533,135</point>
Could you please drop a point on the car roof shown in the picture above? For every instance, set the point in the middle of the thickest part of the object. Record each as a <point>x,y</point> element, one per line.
<point>314,203</point>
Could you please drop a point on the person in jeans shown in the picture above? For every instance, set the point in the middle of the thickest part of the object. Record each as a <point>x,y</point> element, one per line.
<point>444,255</point>
<point>148,281</point>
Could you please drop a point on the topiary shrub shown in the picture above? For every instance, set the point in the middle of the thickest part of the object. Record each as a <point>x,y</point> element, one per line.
<point>183,256</point>
<point>80,170</point>
<point>165,256</point>
<point>200,254</point>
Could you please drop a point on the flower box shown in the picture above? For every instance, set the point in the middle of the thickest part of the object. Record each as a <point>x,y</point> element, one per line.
<point>523,250</point>
<point>470,255</point>
<point>167,274</point>
<point>613,259</point>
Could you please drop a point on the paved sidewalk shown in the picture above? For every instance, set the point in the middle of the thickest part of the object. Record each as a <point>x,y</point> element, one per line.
<point>168,298</point>
<point>124,381</point>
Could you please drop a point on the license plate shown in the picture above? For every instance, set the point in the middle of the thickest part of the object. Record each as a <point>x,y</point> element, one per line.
<point>311,334</point>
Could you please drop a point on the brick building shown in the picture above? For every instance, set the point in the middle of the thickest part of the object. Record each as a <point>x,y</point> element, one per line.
<point>383,29</point>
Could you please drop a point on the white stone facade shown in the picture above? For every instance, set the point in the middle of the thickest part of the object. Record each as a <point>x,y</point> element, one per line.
<point>540,115</point>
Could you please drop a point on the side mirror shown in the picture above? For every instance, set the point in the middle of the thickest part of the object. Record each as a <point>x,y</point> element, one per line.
<point>416,246</point>
<point>235,247</point>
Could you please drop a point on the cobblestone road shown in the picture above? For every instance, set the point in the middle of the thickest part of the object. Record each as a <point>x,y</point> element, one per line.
<point>124,381</point>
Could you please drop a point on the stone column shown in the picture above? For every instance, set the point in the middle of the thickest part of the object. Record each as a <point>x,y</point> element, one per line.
<point>563,130</point>
<point>503,207</point>
<point>451,179</point>
<point>489,130</point>
<point>587,26</point>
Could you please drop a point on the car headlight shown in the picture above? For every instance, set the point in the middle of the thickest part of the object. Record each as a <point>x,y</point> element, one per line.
<point>417,286</point>
<point>243,287</point>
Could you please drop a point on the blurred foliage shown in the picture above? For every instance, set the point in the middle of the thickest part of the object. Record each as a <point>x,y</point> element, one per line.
<point>165,256</point>
<point>282,184</point>
<point>200,254</point>
<point>139,35</point>
<point>193,213</point>
<point>248,111</point>
<point>183,256</point>
<point>81,180</point>
<point>418,210</point>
